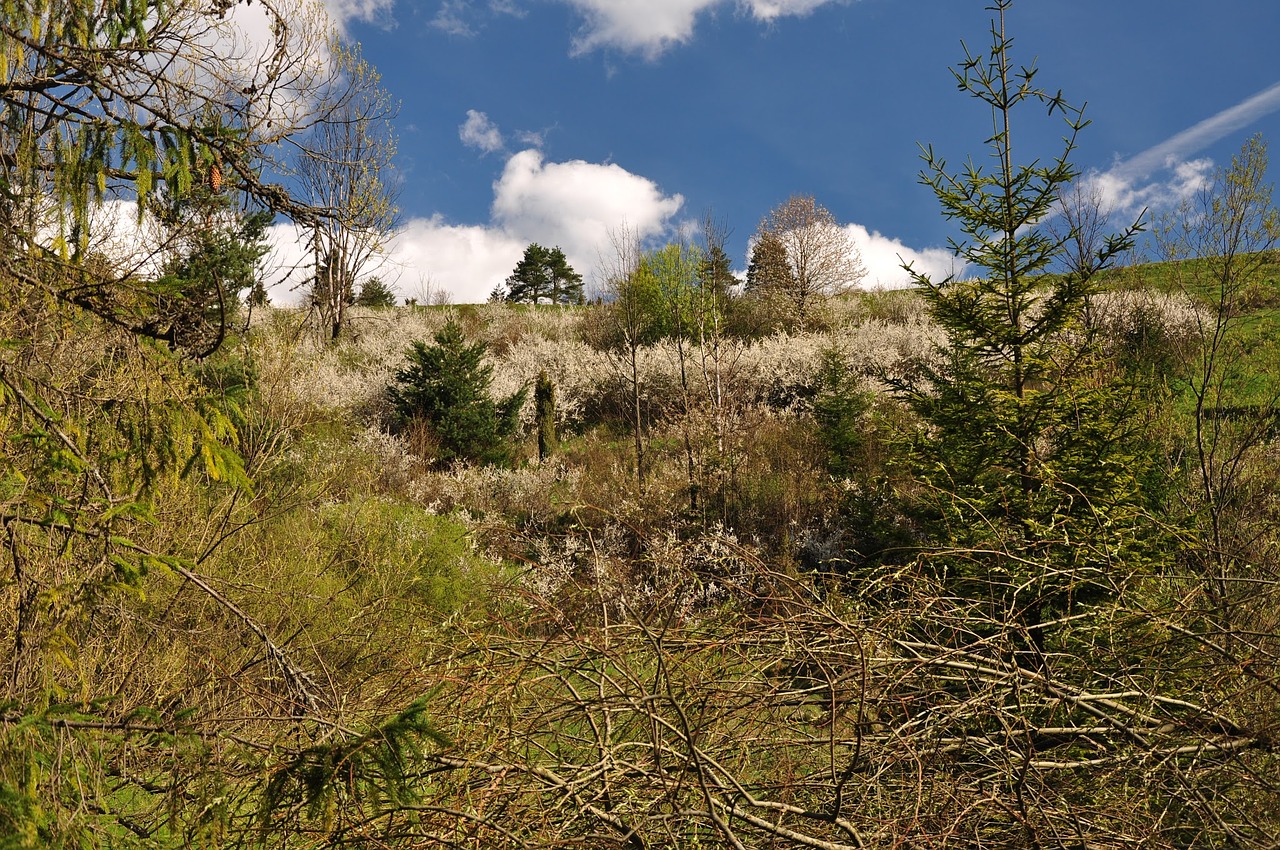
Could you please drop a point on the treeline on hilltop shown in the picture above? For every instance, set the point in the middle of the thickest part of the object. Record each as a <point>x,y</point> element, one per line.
<point>988,562</point>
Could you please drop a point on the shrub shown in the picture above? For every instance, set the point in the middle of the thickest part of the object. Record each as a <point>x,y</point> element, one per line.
<point>446,386</point>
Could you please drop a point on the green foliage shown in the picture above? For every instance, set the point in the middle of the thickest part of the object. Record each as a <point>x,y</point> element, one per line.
<point>371,539</point>
<point>201,288</point>
<point>89,112</point>
<point>635,315</point>
<point>840,410</point>
<point>544,413</point>
<point>376,294</point>
<point>769,268</point>
<point>446,387</point>
<point>335,785</point>
<point>673,275</point>
<point>1222,242</point>
<point>333,286</point>
<point>1032,447</point>
<point>715,274</point>
<point>145,695</point>
<point>323,657</point>
<point>544,273</point>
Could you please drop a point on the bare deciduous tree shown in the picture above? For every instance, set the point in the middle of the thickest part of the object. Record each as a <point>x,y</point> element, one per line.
<point>1217,244</point>
<point>1082,226</point>
<point>345,169</point>
<point>823,259</point>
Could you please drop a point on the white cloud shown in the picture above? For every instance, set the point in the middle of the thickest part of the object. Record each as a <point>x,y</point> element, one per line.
<point>481,133</point>
<point>462,17</point>
<point>1178,147</point>
<point>1120,192</point>
<point>650,27</point>
<point>575,205</point>
<point>767,10</point>
<point>647,27</point>
<point>1165,174</point>
<point>641,26</point>
<point>467,261</point>
<point>883,258</point>
<point>451,18</point>
<point>342,12</point>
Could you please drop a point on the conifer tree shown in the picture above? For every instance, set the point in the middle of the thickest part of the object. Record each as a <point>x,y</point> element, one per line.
<point>374,293</point>
<point>715,274</point>
<point>769,269</point>
<point>544,273</point>
<point>544,406</point>
<point>218,247</point>
<point>446,387</point>
<point>1031,453</point>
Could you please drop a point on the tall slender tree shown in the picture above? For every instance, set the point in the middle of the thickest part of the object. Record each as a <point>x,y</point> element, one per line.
<point>346,169</point>
<point>1029,452</point>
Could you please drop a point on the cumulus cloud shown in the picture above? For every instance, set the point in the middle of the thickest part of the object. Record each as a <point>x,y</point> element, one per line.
<point>651,27</point>
<point>645,26</point>
<point>883,258</point>
<point>576,205</point>
<point>1118,191</point>
<point>466,261</point>
<point>480,133</point>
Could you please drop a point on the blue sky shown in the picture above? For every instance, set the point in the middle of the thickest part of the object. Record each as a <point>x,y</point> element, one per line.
<point>559,121</point>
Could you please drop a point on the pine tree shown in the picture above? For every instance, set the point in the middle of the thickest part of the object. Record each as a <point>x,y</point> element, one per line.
<point>446,387</point>
<point>544,273</point>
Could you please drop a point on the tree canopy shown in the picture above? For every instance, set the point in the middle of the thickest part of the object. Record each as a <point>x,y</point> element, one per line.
<point>544,274</point>
<point>805,255</point>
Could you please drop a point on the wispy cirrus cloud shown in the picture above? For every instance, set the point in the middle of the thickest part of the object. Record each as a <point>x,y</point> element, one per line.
<point>1167,173</point>
<point>465,18</point>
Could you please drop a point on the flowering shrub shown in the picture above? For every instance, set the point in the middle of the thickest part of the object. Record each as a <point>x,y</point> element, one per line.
<point>532,494</point>
<point>1127,312</point>
<point>778,371</point>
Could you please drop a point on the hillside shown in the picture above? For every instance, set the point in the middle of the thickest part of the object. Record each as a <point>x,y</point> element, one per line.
<point>988,563</point>
<point>550,652</point>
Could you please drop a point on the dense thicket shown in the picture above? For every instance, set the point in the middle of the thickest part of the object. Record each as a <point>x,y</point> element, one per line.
<point>986,563</point>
